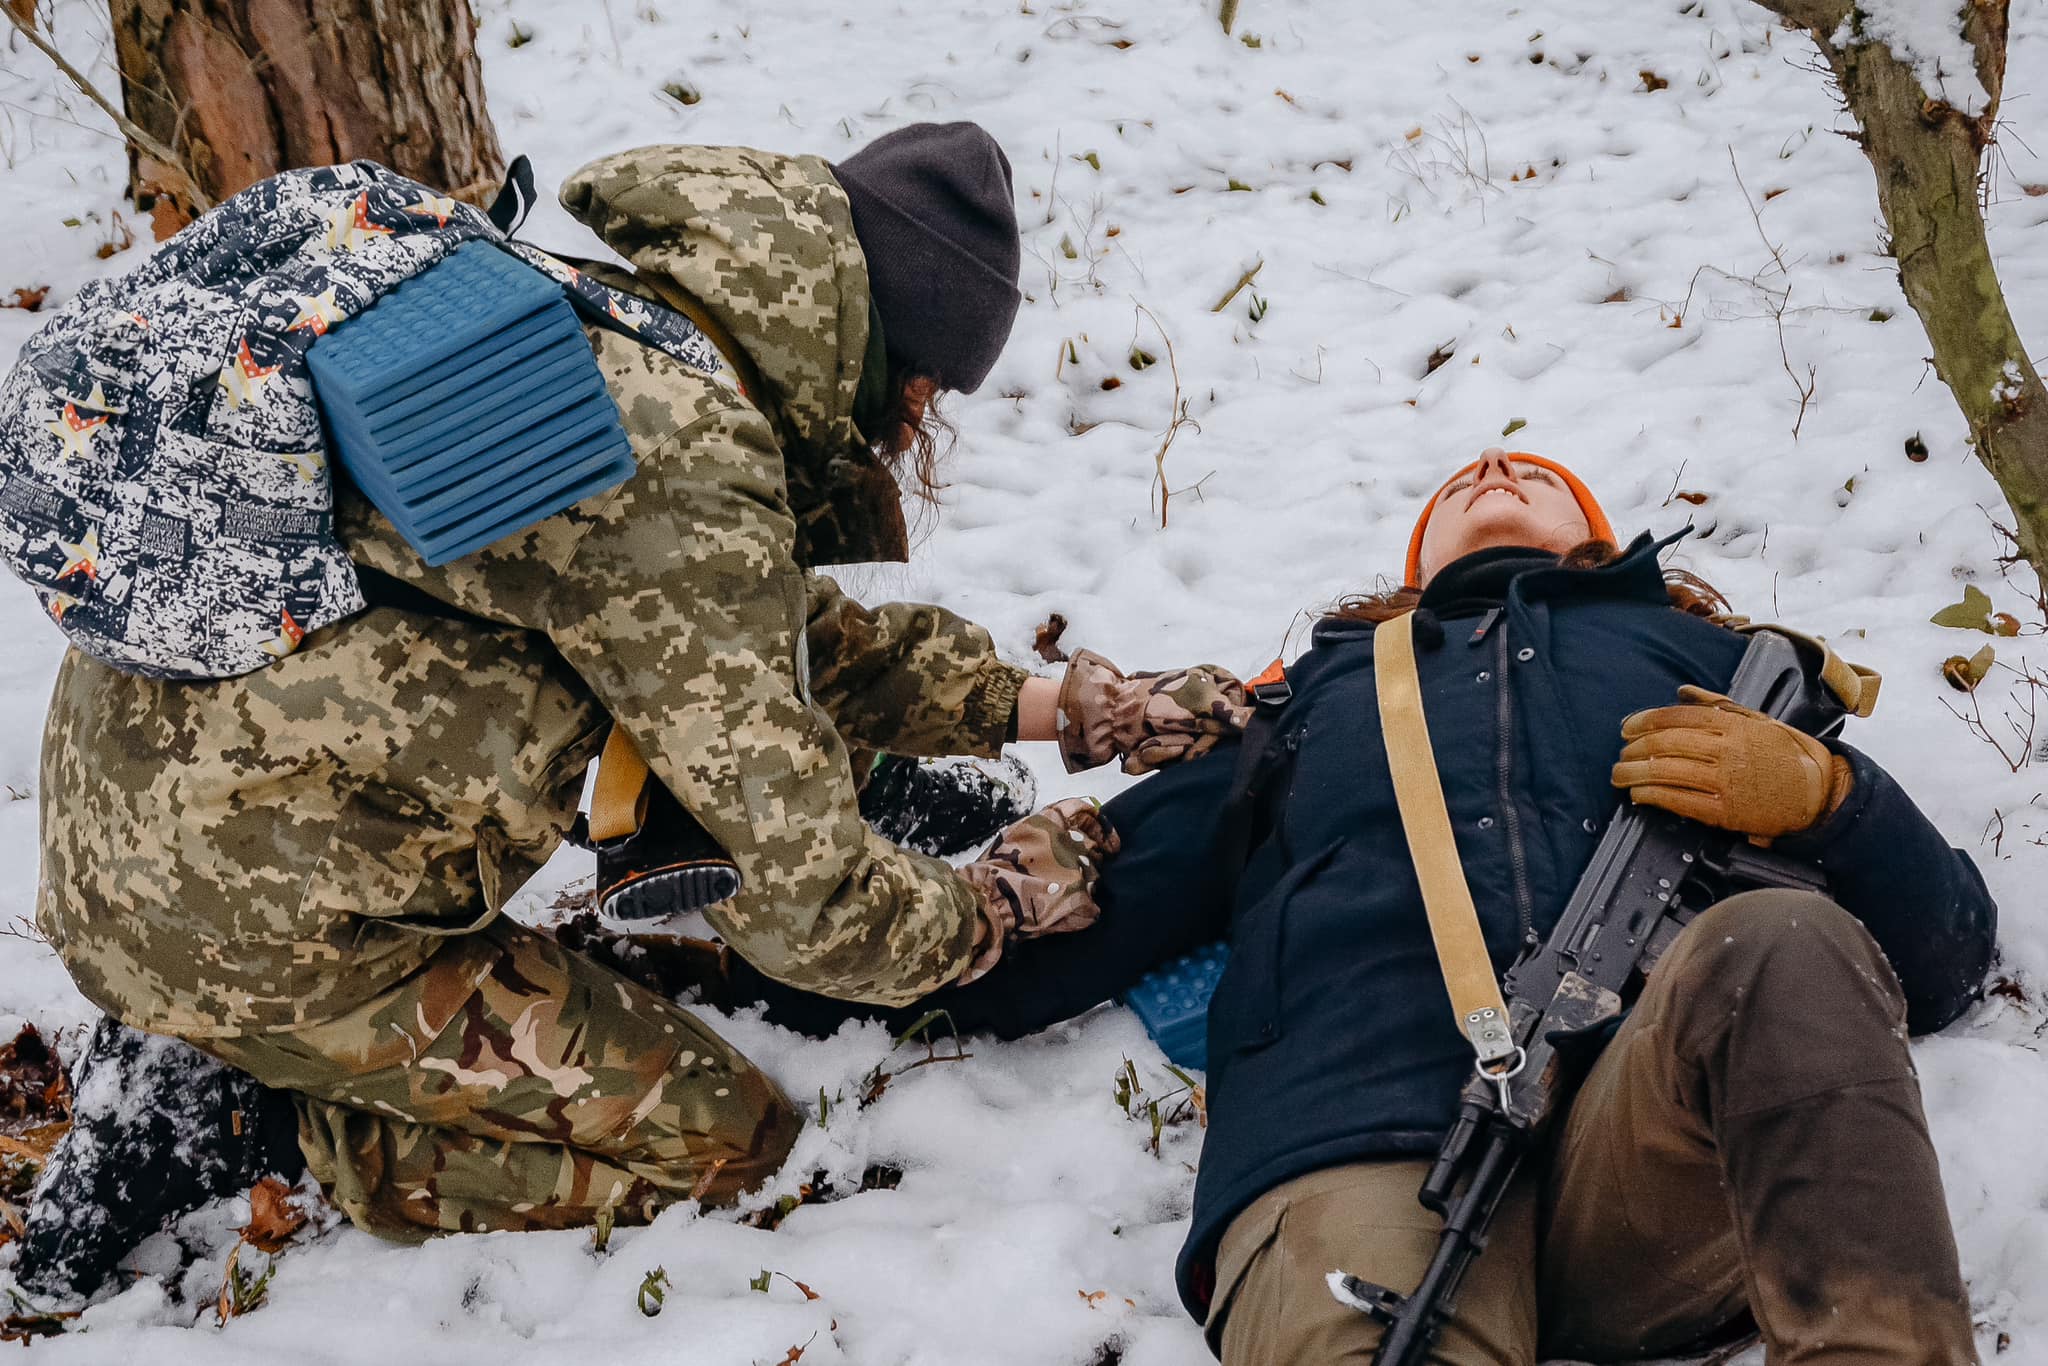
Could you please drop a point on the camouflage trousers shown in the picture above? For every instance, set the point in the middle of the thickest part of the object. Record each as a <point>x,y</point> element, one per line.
<point>513,1084</point>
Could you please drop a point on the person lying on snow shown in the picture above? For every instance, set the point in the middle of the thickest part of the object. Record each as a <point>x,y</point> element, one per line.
<point>300,871</point>
<point>1751,1143</point>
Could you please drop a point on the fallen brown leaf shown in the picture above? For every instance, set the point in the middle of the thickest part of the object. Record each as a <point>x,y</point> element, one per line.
<point>33,1088</point>
<point>1693,496</point>
<point>25,1328</point>
<point>34,1144</point>
<point>273,1219</point>
<point>28,299</point>
<point>226,1306</point>
<point>119,240</point>
<point>1047,639</point>
<point>2008,988</point>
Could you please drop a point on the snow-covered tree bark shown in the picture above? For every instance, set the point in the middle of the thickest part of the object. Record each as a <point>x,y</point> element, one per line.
<point>1927,152</point>
<point>243,89</point>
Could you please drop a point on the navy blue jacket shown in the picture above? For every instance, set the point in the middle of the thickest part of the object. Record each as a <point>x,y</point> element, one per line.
<point>1331,1036</point>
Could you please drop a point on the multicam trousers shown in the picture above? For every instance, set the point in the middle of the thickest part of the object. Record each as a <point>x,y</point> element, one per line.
<point>1751,1139</point>
<point>513,1084</point>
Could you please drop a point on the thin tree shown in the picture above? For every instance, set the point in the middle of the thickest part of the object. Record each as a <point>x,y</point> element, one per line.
<point>1928,156</point>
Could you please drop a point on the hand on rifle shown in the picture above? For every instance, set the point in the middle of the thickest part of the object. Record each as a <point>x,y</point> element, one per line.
<point>1724,765</point>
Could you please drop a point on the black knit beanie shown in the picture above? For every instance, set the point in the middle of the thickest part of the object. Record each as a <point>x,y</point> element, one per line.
<point>933,210</point>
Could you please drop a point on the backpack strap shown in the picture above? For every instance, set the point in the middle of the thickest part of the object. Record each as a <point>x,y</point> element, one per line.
<point>1260,759</point>
<point>1446,896</point>
<point>515,198</point>
<point>729,351</point>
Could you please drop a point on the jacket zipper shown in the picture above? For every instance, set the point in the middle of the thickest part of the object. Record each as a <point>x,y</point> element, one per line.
<point>1503,735</point>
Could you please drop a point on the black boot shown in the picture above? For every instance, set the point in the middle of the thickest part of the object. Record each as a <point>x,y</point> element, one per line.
<point>946,807</point>
<point>157,1130</point>
<point>668,866</point>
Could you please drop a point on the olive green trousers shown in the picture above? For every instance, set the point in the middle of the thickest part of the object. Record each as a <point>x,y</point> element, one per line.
<point>514,1084</point>
<point>1751,1140</point>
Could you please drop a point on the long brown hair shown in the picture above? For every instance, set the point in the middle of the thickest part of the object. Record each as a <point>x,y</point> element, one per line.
<point>915,436</point>
<point>1688,592</point>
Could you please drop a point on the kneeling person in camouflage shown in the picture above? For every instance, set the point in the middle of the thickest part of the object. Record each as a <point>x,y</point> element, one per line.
<point>301,870</point>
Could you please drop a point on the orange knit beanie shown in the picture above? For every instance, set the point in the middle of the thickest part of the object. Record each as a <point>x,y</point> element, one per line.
<point>1595,518</point>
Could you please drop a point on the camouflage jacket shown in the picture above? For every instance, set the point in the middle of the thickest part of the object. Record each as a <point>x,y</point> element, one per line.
<point>251,854</point>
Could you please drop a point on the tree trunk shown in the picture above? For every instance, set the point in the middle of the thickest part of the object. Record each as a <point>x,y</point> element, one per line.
<point>1927,157</point>
<point>243,89</point>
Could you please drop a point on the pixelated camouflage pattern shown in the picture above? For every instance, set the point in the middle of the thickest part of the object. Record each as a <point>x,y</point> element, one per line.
<point>764,245</point>
<point>513,1084</point>
<point>908,678</point>
<point>272,851</point>
<point>1147,719</point>
<point>1039,877</point>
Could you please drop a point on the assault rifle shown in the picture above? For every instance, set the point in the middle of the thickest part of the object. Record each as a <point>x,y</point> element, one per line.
<point>1652,873</point>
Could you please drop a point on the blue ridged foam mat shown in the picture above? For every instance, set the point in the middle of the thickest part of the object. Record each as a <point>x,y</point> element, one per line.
<point>1173,1003</point>
<point>466,403</point>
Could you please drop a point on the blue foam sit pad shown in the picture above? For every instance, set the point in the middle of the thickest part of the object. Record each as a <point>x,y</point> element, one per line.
<point>1173,1004</point>
<point>467,405</point>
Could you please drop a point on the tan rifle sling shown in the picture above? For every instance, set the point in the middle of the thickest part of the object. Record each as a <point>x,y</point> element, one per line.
<point>1453,919</point>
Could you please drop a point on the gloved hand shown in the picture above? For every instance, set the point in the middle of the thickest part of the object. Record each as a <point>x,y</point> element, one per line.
<point>1039,878</point>
<point>1149,719</point>
<point>1727,766</point>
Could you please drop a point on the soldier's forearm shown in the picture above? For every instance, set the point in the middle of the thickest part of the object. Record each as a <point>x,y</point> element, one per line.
<point>1038,708</point>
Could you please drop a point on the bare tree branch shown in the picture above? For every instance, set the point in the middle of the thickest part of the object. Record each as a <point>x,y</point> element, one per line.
<point>190,190</point>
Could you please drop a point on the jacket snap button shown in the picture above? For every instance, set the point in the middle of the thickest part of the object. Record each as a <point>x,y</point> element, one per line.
<point>1484,675</point>
<point>1525,654</point>
<point>1486,822</point>
<point>1589,825</point>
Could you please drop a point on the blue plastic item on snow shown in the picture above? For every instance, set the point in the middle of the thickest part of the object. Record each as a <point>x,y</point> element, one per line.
<point>1173,1003</point>
<point>467,405</point>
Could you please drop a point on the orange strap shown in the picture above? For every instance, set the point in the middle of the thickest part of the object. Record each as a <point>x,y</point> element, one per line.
<point>1276,672</point>
<point>741,364</point>
<point>619,801</point>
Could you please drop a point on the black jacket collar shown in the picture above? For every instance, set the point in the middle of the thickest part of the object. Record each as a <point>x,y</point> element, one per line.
<point>1486,578</point>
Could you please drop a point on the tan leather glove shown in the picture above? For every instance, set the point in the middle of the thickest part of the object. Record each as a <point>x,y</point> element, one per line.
<point>1150,719</point>
<point>1039,878</point>
<point>1727,766</point>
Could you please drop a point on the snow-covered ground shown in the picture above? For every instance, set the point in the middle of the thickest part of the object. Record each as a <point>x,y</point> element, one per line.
<point>1547,194</point>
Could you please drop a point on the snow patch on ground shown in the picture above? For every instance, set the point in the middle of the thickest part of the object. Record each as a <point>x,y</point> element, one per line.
<point>1631,229</point>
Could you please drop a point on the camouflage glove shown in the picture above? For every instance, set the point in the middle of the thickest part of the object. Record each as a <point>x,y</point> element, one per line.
<point>1727,766</point>
<point>1039,878</point>
<point>1149,720</point>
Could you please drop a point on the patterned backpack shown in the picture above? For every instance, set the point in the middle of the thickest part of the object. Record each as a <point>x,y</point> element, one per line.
<point>164,477</point>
